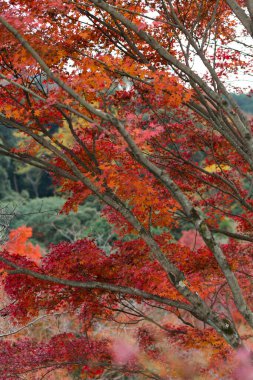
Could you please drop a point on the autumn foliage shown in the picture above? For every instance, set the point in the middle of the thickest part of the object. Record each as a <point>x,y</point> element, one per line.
<point>141,94</point>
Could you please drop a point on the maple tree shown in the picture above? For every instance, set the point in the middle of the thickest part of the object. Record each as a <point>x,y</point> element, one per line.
<point>163,145</point>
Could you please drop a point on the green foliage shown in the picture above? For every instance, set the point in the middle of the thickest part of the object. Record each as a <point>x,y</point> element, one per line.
<point>17,177</point>
<point>245,102</point>
<point>5,184</point>
<point>49,226</point>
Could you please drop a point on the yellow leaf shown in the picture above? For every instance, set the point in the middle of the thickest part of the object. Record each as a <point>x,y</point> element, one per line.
<point>214,168</point>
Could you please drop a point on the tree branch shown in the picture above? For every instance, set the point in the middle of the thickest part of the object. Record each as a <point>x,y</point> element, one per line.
<point>96,285</point>
<point>241,15</point>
